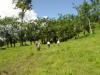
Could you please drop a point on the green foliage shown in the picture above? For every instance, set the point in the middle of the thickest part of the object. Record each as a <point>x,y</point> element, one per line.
<point>80,56</point>
<point>24,5</point>
<point>88,13</point>
<point>95,4</point>
<point>63,28</point>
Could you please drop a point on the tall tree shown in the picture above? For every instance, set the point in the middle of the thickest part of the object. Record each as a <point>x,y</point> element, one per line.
<point>8,30</point>
<point>24,5</point>
<point>84,12</point>
<point>95,11</point>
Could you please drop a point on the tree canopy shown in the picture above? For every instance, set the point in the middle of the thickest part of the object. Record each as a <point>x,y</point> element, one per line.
<point>49,29</point>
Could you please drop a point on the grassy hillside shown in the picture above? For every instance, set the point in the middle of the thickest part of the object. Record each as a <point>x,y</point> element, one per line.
<point>74,57</point>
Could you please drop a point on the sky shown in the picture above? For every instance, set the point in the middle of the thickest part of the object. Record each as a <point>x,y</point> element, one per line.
<point>41,8</point>
<point>51,8</point>
<point>7,9</point>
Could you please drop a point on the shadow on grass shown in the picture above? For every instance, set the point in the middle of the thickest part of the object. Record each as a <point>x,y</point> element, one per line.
<point>26,45</point>
<point>4,73</point>
<point>2,48</point>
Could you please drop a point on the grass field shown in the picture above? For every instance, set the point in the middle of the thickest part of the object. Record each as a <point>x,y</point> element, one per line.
<point>74,57</point>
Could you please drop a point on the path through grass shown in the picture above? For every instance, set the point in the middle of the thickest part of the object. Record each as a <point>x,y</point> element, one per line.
<point>74,57</point>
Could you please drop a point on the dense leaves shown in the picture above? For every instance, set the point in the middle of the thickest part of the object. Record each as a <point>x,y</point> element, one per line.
<point>49,29</point>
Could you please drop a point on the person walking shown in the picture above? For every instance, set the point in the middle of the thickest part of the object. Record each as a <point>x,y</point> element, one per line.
<point>38,46</point>
<point>36,43</point>
<point>58,42</point>
<point>48,43</point>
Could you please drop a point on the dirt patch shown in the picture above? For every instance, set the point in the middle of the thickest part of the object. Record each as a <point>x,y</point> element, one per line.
<point>4,72</point>
<point>28,59</point>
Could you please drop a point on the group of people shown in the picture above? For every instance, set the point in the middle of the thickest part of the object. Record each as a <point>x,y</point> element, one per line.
<point>48,43</point>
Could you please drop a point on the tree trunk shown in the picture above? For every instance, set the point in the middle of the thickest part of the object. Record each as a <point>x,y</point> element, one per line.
<point>7,44</point>
<point>11,44</point>
<point>42,40</point>
<point>78,35</point>
<point>91,32</point>
<point>21,43</point>
<point>30,42</point>
<point>14,44</point>
<point>84,32</point>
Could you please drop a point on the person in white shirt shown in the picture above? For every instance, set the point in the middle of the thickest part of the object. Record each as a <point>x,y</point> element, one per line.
<point>48,43</point>
<point>38,46</point>
<point>58,42</point>
<point>36,43</point>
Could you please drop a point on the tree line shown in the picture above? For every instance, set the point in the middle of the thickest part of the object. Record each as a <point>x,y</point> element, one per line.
<point>49,29</point>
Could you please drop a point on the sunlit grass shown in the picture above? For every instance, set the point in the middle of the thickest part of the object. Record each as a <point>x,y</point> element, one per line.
<point>73,57</point>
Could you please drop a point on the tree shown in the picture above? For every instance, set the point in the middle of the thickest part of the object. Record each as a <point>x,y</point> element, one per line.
<point>84,13</point>
<point>31,32</point>
<point>8,30</point>
<point>24,5</point>
<point>95,11</point>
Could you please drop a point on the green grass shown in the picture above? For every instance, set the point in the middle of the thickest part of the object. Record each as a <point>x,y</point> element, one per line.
<point>74,57</point>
